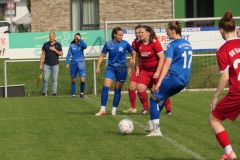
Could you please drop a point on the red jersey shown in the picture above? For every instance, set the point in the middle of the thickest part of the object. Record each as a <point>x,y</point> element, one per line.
<point>228,56</point>
<point>148,53</point>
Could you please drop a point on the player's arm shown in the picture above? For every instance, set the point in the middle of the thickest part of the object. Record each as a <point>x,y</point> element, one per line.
<point>221,85</point>
<point>100,59</point>
<point>137,62</point>
<point>132,62</point>
<point>132,59</point>
<point>160,64</point>
<point>164,71</point>
<point>68,56</point>
<point>82,44</point>
<point>41,59</point>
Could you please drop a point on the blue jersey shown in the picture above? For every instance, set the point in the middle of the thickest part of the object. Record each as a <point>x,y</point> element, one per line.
<point>117,52</point>
<point>76,52</point>
<point>180,51</point>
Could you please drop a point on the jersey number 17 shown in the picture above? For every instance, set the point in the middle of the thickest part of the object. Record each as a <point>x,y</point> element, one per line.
<point>187,61</point>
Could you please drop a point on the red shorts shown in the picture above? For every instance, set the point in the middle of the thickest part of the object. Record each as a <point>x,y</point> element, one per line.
<point>134,78</point>
<point>147,79</point>
<point>228,107</point>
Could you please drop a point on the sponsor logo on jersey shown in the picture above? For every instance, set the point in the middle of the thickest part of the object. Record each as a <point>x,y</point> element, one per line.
<point>120,49</point>
<point>145,54</point>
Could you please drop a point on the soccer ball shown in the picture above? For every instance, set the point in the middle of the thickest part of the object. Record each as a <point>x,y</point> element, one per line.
<point>125,126</point>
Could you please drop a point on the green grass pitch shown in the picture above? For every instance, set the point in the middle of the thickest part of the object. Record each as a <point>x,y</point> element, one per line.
<point>49,128</point>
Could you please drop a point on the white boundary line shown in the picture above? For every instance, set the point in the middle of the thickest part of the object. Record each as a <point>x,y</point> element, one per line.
<point>172,141</point>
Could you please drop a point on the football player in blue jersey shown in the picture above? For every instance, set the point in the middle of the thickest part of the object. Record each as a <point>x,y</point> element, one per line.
<point>77,63</point>
<point>175,73</point>
<point>116,69</point>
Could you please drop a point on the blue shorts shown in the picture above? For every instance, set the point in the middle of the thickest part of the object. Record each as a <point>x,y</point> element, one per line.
<point>77,67</point>
<point>170,86</point>
<point>113,73</point>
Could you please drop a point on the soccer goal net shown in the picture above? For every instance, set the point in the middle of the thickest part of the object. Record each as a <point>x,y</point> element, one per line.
<point>202,33</point>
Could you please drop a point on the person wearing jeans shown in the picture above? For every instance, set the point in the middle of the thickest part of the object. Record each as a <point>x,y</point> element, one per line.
<point>51,51</point>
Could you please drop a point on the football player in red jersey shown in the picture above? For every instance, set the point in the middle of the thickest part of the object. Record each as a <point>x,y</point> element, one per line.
<point>228,57</point>
<point>134,79</point>
<point>150,54</point>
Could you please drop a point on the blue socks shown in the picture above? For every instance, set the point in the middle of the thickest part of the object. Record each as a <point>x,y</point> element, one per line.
<point>104,95</point>
<point>73,86</point>
<point>117,97</point>
<point>82,87</point>
<point>156,108</point>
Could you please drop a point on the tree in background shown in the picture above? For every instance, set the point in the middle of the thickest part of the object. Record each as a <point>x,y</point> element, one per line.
<point>29,5</point>
<point>29,9</point>
<point>2,17</point>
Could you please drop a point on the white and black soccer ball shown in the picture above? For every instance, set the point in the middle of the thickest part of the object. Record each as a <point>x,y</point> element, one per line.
<point>125,126</point>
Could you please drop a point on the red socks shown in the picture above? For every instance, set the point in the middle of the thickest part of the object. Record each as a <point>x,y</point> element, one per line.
<point>168,104</point>
<point>223,139</point>
<point>144,99</point>
<point>132,98</point>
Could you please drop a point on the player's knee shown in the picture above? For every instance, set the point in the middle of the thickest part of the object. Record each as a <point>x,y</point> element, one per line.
<point>73,79</point>
<point>155,98</point>
<point>132,87</point>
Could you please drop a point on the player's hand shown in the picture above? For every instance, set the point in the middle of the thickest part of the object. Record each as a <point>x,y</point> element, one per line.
<point>129,71</point>
<point>78,37</point>
<point>156,75</point>
<point>156,89</point>
<point>213,103</point>
<point>40,67</point>
<point>67,66</point>
<point>137,72</point>
<point>97,71</point>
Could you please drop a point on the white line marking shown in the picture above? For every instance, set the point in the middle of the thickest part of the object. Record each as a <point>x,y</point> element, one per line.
<point>172,141</point>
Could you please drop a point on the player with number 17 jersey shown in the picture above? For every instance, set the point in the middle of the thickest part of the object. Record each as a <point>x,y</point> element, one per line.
<point>180,51</point>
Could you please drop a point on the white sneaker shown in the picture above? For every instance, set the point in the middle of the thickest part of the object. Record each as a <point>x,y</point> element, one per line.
<point>114,114</point>
<point>154,134</point>
<point>100,113</point>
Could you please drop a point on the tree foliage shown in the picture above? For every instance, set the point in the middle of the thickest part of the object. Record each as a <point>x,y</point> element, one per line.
<point>29,5</point>
<point>2,17</point>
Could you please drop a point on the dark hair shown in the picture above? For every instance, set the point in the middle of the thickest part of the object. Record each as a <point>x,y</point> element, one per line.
<point>176,25</point>
<point>227,23</point>
<point>115,30</point>
<point>152,34</point>
<point>137,27</point>
<point>73,41</point>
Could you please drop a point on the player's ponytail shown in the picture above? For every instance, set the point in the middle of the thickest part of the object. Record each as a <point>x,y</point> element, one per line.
<point>176,25</point>
<point>227,23</point>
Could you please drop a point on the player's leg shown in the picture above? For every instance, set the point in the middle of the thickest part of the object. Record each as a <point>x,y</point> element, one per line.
<point>229,108</point>
<point>132,93</point>
<point>120,79</point>
<point>73,74</point>
<point>82,82</point>
<point>168,106</point>
<point>46,75</point>
<point>143,81</point>
<point>168,88</point>
<point>109,77</point>
<point>55,70</point>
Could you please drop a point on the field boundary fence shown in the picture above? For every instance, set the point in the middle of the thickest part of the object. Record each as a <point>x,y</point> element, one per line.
<point>205,75</point>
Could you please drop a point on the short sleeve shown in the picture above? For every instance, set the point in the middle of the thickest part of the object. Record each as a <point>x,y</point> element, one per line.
<point>222,59</point>
<point>157,46</point>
